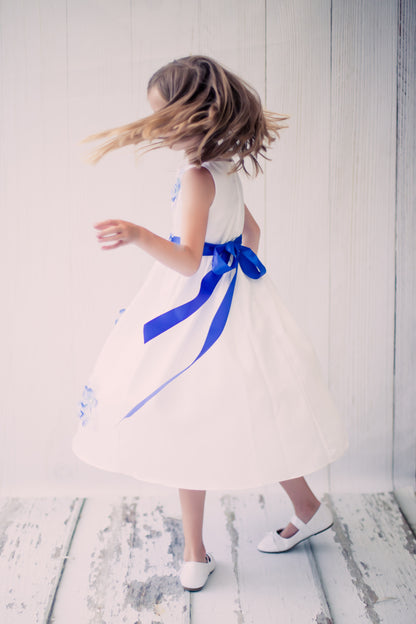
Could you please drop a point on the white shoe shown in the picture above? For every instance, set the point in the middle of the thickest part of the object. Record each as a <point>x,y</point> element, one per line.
<point>194,574</point>
<point>273,542</point>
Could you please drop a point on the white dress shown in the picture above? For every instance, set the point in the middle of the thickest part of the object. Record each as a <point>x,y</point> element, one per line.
<point>254,409</point>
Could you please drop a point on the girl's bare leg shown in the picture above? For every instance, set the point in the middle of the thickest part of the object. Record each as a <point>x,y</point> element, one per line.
<point>303,499</point>
<point>192,503</point>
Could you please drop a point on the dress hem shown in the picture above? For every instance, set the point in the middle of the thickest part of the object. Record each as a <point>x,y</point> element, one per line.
<point>212,488</point>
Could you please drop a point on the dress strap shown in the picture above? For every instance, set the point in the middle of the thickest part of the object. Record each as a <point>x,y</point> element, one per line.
<point>205,165</point>
<point>190,166</point>
<point>225,257</point>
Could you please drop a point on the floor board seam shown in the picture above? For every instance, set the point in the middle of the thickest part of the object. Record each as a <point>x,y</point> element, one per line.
<point>49,618</point>
<point>321,588</point>
<point>364,591</point>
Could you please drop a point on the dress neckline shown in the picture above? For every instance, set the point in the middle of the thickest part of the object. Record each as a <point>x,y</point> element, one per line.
<point>187,164</point>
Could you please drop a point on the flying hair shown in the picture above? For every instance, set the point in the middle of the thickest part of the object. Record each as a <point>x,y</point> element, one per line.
<point>219,112</point>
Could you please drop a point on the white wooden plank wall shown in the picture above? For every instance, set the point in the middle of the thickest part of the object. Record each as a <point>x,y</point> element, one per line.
<point>404,468</point>
<point>362,193</point>
<point>297,234</point>
<point>327,206</point>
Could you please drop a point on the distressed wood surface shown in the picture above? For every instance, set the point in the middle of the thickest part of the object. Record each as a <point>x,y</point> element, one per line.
<point>254,587</point>
<point>117,560</point>
<point>35,537</point>
<point>269,587</point>
<point>367,560</point>
<point>123,565</point>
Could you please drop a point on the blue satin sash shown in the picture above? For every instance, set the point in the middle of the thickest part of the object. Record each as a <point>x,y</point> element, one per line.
<point>225,257</point>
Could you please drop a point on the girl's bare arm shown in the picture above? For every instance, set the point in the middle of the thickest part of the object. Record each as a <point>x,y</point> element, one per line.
<point>197,195</point>
<point>251,231</point>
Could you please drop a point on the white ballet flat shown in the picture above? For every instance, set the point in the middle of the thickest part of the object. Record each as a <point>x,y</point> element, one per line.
<point>194,574</point>
<point>273,542</point>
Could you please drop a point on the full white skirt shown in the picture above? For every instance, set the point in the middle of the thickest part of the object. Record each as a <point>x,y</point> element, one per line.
<point>255,409</point>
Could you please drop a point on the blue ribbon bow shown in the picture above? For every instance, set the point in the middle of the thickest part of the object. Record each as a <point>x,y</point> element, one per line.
<point>225,257</point>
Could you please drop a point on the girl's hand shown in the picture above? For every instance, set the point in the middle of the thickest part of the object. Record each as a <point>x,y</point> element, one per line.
<point>122,232</point>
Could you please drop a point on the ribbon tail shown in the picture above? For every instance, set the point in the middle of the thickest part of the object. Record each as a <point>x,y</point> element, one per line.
<point>250,263</point>
<point>214,332</point>
<point>169,319</point>
<point>220,318</point>
<point>152,394</point>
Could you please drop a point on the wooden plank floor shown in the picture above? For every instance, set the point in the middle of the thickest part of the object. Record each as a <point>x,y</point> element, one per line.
<point>115,560</point>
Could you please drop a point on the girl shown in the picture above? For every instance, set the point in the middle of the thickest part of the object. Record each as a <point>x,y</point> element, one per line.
<point>206,382</point>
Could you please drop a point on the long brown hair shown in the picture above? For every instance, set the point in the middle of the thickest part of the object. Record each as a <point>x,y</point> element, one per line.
<point>207,102</point>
